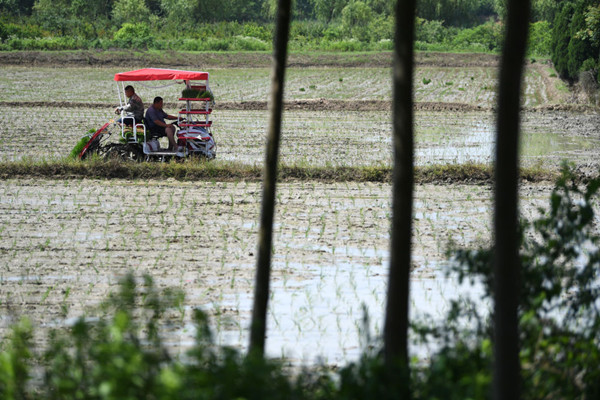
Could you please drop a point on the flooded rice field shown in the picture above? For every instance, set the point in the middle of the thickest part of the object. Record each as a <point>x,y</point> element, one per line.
<point>325,138</point>
<point>472,84</point>
<point>65,245</point>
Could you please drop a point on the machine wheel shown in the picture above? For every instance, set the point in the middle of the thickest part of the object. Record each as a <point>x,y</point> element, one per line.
<point>124,152</point>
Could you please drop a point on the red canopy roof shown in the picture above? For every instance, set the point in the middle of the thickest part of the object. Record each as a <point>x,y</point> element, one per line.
<point>156,74</point>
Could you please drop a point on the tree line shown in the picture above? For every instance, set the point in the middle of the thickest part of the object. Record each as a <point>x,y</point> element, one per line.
<point>576,38</point>
<point>568,30</point>
<point>462,13</point>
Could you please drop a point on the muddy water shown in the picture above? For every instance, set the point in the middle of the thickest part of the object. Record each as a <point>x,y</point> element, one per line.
<point>346,138</point>
<point>546,139</point>
<point>64,245</point>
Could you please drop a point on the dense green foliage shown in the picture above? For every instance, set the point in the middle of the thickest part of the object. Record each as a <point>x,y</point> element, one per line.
<point>120,353</point>
<point>457,12</point>
<point>540,38</point>
<point>560,39</point>
<point>559,319</point>
<point>236,25</point>
<point>575,44</point>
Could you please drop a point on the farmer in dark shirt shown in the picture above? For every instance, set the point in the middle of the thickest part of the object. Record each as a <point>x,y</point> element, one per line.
<point>155,118</point>
<point>133,108</point>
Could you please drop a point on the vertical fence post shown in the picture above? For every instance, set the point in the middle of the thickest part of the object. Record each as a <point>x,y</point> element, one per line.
<point>258,324</point>
<point>396,315</point>
<point>507,372</point>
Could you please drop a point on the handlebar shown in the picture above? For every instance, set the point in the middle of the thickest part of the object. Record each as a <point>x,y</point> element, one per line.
<point>182,120</point>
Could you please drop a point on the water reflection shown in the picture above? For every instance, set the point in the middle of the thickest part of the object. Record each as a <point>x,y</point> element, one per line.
<point>475,143</point>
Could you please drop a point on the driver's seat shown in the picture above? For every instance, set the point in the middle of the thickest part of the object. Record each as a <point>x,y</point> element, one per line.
<point>149,134</point>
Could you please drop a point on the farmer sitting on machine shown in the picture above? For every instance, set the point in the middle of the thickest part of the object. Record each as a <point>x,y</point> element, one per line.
<point>134,108</point>
<point>155,119</point>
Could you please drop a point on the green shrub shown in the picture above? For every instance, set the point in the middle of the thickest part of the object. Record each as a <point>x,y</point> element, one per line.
<point>561,38</point>
<point>199,45</point>
<point>15,44</point>
<point>309,30</point>
<point>559,319</point>
<point>429,31</point>
<point>343,45</point>
<point>217,44</point>
<point>589,65</point>
<point>360,33</point>
<point>136,35</point>
<point>579,49</point>
<point>540,38</point>
<point>46,43</point>
<point>383,45</point>
<point>249,44</point>
<point>238,43</point>
<point>423,46</point>
<point>15,356</point>
<point>260,32</point>
<point>489,36</point>
<point>121,355</point>
<point>334,32</point>
<point>3,32</point>
<point>26,30</point>
<point>381,28</point>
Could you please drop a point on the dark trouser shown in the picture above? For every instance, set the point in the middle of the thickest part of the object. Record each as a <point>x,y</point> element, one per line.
<point>158,131</point>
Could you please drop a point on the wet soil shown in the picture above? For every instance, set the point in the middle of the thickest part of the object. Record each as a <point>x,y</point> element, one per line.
<point>442,82</point>
<point>66,244</point>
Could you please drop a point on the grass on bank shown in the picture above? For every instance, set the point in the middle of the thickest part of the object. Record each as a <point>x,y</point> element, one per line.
<point>191,170</point>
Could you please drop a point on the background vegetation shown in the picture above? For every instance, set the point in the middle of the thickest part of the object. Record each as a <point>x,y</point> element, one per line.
<point>576,38</point>
<point>566,30</point>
